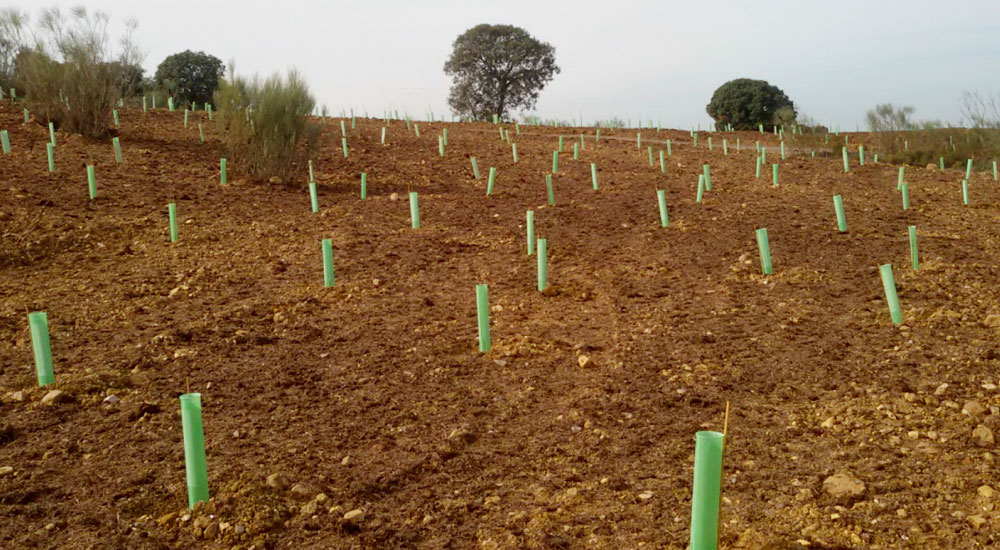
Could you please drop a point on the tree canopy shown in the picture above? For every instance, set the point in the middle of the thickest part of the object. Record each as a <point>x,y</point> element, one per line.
<point>190,76</point>
<point>497,68</point>
<point>745,103</point>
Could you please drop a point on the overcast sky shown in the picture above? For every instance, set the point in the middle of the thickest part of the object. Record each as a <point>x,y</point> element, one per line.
<point>658,60</point>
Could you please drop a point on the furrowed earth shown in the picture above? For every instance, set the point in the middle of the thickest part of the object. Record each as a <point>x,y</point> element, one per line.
<point>364,416</point>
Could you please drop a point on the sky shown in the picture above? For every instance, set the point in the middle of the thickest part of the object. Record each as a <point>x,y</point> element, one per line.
<point>657,61</point>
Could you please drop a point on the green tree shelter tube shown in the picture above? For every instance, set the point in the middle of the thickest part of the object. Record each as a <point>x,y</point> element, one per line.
<point>42,347</point>
<point>593,174</point>
<point>513,150</point>
<point>758,167</point>
<point>707,493</point>
<point>765,251</point>
<point>968,165</point>
<point>52,135</point>
<point>889,284</point>
<point>483,317</point>
<point>194,449</point>
<point>530,226</point>
<point>114,114</point>
<point>774,174</point>
<point>912,230</point>
<point>549,190</point>
<point>52,160</point>
<point>847,166</point>
<point>364,185</point>
<point>701,188</point>
<point>222,170</point>
<point>312,175</point>
<point>543,265</point>
<point>861,154</point>
<point>414,210</point>
<point>328,276</point>
<point>663,164</point>
<point>172,216</point>
<point>343,144</point>
<point>906,195</point>
<point>201,132</point>
<point>576,151</point>
<point>91,182</point>
<point>899,180</point>
<point>313,197</point>
<point>440,146</point>
<point>491,180</point>
<point>555,161</point>
<point>838,206</point>
<point>965,192</point>
<point>475,167</point>
<point>5,142</point>
<point>708,177</point>
<point>661,201</point>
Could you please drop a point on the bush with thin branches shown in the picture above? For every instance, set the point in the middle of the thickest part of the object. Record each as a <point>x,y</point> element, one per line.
<point>267,132</point>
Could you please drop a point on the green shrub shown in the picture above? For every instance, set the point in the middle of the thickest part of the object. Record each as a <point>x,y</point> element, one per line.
<point>266,129</point>
<point>65,68</point>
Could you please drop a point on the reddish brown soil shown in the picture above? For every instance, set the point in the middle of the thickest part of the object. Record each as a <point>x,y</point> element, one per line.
<point>373,392</point>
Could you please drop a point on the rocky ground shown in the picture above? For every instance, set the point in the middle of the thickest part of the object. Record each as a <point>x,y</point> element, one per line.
<point>363,415</point>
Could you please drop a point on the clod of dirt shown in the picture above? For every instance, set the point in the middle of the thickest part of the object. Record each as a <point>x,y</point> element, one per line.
<point>354,517</point>
<point>973,409</point>
<point>584,362</point>
<point>277,481</point>
<point>983,436</point>
<point>843,486</point>
<point>56,397</point>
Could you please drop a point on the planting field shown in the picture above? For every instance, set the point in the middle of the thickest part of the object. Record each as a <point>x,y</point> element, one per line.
<point>577,429</point>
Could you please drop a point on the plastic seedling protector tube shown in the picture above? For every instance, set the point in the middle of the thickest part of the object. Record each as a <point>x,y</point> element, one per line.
<point>709,143</point>
<point>118,149</point>
<point>725,148</point>
<point>312,175</point>
<point>201,132</point>
<point>364,185</point>
<point>208,107</point>
<point>543,264</point>
<point>440,146</point>
<point>861,154</point>
<point>313,197</point>
<point>583,145</point>
<point>26,114</point>
<point>194,449</point>
<point>661,201</point>
<point>847,166</point>
<point>383,135</point>
<point>144,104</point>
<point>965,192</point>
<point>114,114</point>
<point>444,135</point>
<point>560,143</point>
<point>669,151</point>
<point>968,165</point>
<point>912,230</point>
<point>996,175</point>
<point>758,167</point>
<point>91,182</point>
<point>650,151</point>
<point>491,180</point>
<point>354,121</point>
<point>782,150</point>
<point>343,144</point>
<point>530,225</point>
<point>5,142</point>
<point>42,347</point>
<point>707,491</point>
<point>774,174</point>
<point>738,147</point>
<point>701,187</point>
<point>414,210</point>
<point>838,207</point>
<point>593,174</point>
<point>889,284</point>
<point>185,118</point>
<point>48,150</point>
<point>475,167</point>
<point>343,129</point>
<point>576,151</point>
<point>763,155</point>
<point>695,137</point>
<point>549,191</point>
<point>555,161</point>
<point>765,251</point>
<point>638,140</point>
<point>222,170</point>
<point>708,177</point>
<point>513,150</point>
<point>328,276</point>
<point>597,136</point>
<point>906,195</point>
<point>170,104</point>
<point>52,134</point>
<point>483,317</point>
<point>899,180</point>
<point>172,217</point>
<point>663,163</point>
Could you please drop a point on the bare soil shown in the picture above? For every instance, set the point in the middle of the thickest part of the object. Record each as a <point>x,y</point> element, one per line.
<point>373,392</point>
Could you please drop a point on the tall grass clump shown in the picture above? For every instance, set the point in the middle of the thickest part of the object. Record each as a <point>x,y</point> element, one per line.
<point>66,68</point>
<point>266,128</point>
